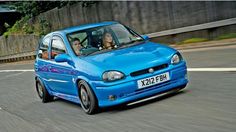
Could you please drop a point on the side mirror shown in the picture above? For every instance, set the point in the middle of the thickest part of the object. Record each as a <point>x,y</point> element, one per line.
<point>145,37</point>
<point>40,53</point>
<point>64,58</point>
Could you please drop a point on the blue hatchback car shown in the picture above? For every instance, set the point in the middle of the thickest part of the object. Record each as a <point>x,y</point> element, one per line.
<point>105,64</point>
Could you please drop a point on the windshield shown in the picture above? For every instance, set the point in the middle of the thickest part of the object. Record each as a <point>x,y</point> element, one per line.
<point>102,39</point>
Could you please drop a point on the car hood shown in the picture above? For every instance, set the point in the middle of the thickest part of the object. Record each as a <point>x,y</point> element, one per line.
<point>129,59</point>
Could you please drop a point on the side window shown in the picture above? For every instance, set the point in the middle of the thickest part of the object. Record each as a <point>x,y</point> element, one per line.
<point>78,42</point>
<point>43,49</point>
<point>58,47</point>
<point>82,36</point>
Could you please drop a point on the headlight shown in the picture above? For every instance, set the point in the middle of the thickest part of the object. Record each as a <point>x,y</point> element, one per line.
<point>112,76</point>
<point>176,58</point>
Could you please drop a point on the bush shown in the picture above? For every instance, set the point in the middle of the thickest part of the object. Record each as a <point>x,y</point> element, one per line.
<point>20,27</point>
<point>226,36</point>
<point>193,40</point>
<point>23,26</point>
<point>44,27</point>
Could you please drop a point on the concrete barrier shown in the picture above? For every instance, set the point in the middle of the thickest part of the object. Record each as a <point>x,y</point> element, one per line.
<point>166,22</point>
<point>27,45</point>
<point>204,26</point>
<point>18,47</point>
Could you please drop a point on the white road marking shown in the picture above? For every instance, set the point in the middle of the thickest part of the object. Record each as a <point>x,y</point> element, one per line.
<point>11,75</point>
<point>212,69</point>
<point>0,108</point>
<point>189,69</point>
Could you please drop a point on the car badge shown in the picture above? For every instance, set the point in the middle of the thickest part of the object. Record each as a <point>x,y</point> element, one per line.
<point>150,70</point>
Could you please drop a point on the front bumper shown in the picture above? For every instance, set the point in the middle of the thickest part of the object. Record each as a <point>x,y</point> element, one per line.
<point>127,90</point>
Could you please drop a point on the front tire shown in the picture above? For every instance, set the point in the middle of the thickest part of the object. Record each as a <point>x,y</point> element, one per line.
<point>42,92</point>
<point>88,100</point>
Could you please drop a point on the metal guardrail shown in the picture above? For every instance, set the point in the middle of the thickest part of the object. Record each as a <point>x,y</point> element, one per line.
<point>209,25</point>
<point>226,22</point>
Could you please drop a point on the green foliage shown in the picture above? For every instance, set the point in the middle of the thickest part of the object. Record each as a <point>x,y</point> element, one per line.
<point>33,8</point>
<point>44,27</point>
<point>226,36</point>
<point>27,28</point>
<point>20,27</point>
<point>23,27</point>
<point>6,34</point>
<point>30,9</point>
<point>193,40</point>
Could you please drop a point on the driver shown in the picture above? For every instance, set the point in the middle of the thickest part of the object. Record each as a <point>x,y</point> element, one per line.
<point>77,46</point>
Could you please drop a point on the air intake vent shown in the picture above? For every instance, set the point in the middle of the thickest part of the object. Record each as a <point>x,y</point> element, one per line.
<point>144,71</point>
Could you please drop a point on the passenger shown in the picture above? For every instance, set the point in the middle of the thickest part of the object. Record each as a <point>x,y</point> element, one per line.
<point>77,46</point>
<point>44,55</point>
<point>107,41</point>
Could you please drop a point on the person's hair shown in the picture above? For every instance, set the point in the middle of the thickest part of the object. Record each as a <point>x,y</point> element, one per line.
<point>76,39</point>
<point>103,40</point>
<point>104,34</point>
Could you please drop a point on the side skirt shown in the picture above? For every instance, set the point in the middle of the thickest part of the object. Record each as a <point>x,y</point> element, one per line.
<point>71,98</point>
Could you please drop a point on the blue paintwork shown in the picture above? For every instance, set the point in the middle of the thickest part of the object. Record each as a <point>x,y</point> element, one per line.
<point>60,78</point>
<point>145,37</point>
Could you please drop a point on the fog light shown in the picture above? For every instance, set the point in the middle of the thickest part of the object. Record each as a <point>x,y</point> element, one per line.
<point>112,97</point>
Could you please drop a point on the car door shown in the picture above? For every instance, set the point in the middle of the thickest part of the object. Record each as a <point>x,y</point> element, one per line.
<point>60,77</point>
<point>42,61</point>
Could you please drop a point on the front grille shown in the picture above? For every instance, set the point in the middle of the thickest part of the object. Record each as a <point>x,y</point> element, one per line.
<point>145,71</point>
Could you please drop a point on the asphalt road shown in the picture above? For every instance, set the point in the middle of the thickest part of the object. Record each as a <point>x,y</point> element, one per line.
<point>207,105</point>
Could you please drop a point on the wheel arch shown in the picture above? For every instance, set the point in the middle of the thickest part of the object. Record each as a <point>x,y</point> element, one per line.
<point>43,83</point>
<point>78,79</point>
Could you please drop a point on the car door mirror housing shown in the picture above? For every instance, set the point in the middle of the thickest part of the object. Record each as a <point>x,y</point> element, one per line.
<point>145,37</point>
<point>40,53</point>
<point>63,58</point>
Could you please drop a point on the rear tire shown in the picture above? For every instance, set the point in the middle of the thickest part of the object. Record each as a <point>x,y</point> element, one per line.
<point>88,99</point>
<point>42,92</point>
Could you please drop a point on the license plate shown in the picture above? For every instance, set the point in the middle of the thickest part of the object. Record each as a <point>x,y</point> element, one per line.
<point>150,81</point>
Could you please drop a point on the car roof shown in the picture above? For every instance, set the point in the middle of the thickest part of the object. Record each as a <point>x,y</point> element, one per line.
<point>86,26</point>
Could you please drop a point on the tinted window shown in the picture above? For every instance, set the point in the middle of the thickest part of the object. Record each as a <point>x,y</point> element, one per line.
<point>58,47</point>
<point>43,49</point>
